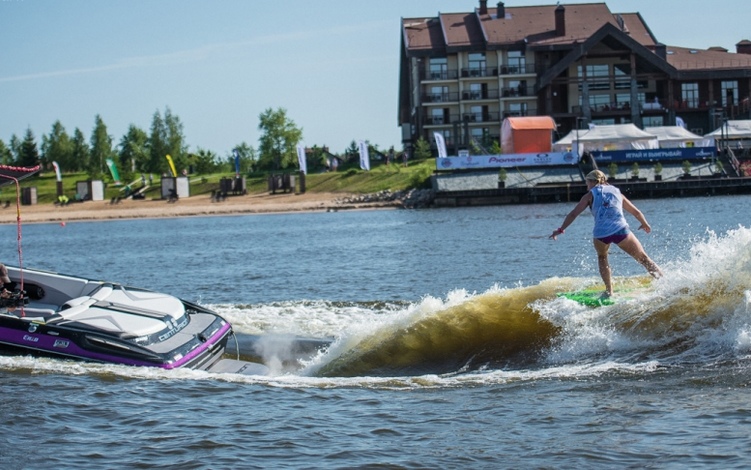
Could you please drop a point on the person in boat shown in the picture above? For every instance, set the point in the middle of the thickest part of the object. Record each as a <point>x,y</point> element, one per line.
<point>607,205</point>
<point>7,286</point>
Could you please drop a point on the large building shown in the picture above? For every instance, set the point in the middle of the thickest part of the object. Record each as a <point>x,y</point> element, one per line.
<point>461,74</point>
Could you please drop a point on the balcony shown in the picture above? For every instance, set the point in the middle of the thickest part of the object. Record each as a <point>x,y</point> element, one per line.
<point>482,117</point>
<point>514,92</point>
<point>441,120</point>
<point>449,97</point>
<point>433,75</point>
<point>479,72</point>
<point>473,95</point>
<point>518,69</point>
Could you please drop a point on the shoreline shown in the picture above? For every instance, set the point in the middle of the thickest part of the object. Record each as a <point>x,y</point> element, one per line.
<point>194,206</point>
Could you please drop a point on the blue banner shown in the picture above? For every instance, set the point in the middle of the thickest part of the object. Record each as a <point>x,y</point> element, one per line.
<point>678,153</point>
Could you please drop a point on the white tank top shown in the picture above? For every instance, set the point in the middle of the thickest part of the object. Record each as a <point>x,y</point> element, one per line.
<point>607,209</point>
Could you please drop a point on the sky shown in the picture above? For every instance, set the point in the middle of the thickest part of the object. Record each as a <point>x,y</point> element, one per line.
<point>217,65</point>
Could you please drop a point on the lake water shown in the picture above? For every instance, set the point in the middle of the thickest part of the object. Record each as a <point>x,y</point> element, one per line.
<point>450,348</point>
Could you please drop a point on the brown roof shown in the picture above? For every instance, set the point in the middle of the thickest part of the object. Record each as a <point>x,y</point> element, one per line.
<point>535,24</point>
<point>422,34</point>
<point>462,30</point>
<point>683,58</point>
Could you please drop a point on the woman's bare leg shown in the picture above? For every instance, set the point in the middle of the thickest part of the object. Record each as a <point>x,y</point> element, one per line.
<point>602,263</point>
<point>632,246</point>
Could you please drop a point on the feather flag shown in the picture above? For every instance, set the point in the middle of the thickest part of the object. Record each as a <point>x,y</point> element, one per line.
<point>57,171</point>
<point>301,159</point>
<point>171,166</point>
<point>441,144</point>
<point>113,170</point>
<point>364,157</point>
<point>236,153</point>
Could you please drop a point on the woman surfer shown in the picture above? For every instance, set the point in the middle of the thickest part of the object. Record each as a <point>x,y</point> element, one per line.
<point>607,204</point>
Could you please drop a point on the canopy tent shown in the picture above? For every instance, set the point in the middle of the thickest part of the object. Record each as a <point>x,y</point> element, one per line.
<point>530,134</point>
<point>677,136</point>
<point>567,142</point>
<point>617,137</point>
<point>733,130</point>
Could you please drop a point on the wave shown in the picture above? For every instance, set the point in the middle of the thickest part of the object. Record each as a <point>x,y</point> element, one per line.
<point>698,312</point>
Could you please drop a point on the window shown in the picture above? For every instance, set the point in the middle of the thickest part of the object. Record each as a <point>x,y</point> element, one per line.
<point>439,68</point>
<point>517,109</point>
<point>439,94</point>
<point>475,114</point>
<point>690,94</point>
<point>475,91</point>
<point>729,93</point>
<point>598,77</point>
<point>436,116</point>
<point>623,100</point>
<point>479,134</point>
<point>622,74</point>
<point>652,121</point>
<point>477,64</point>
<point>517,63</point>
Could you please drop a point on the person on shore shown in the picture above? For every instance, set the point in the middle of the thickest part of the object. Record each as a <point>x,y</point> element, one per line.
<point>607,205</point>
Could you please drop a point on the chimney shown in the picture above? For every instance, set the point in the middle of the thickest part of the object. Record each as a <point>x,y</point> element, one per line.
<point>743,47</point>
<point>661,50</point>
<point>483,7</point>
<point>560,21</point>
<point>501,11</point>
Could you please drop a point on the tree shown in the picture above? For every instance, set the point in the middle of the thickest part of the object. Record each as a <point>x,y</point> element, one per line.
<point>422,149</point>
<point>204,161</point>
<point>166,138</point>
<point>15,149</point>
<point>134,150</point>
<point>57,147</point>
<point>101,148</point>
<point>157,145</point>
<point>81,151</point>
<point>278,141</point>
<point>28,152</point>
<point>175,140</point>
<point>6,156</point>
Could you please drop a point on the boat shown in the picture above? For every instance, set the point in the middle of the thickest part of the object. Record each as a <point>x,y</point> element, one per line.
<point>61,315</point>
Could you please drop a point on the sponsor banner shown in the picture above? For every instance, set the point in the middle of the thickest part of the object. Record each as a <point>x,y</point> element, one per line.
<point>678,153</point>
<point>506,161</point>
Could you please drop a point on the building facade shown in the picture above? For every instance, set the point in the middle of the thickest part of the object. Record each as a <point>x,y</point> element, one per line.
<point>461,74</point>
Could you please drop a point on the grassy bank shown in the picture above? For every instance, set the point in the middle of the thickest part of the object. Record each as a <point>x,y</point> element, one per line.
<point>381,177</point>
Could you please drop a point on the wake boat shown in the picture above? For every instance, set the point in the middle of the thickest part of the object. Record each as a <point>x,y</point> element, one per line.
<point>85,319</point>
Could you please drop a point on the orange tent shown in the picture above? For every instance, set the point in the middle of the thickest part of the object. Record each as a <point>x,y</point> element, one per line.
<point>531,134</point>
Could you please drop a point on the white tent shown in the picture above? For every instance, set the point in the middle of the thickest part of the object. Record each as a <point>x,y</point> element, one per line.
<point>617,137</point>
<point>733,130</point>
<point>566,143</point>
<point>677,136</point>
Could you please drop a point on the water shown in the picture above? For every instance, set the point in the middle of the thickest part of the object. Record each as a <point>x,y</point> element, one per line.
<point>450,347</point>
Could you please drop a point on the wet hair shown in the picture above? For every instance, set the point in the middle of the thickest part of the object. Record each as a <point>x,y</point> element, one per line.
<point>597,176</point>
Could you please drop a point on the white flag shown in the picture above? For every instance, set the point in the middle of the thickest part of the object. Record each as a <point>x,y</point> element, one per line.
<point>301,159</point>
<point>680,122</point>
<point>364,157</point>
<point>441,144</point>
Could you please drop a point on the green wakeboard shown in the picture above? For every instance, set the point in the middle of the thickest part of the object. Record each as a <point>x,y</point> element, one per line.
<point>590,298</point>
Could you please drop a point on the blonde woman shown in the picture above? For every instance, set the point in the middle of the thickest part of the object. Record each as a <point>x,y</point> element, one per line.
<point>607,205</point>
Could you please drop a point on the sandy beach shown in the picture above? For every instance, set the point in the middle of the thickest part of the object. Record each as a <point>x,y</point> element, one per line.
<point>200,205</point>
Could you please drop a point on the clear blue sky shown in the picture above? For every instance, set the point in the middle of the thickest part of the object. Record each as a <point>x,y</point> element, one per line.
<point>333,64</point>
